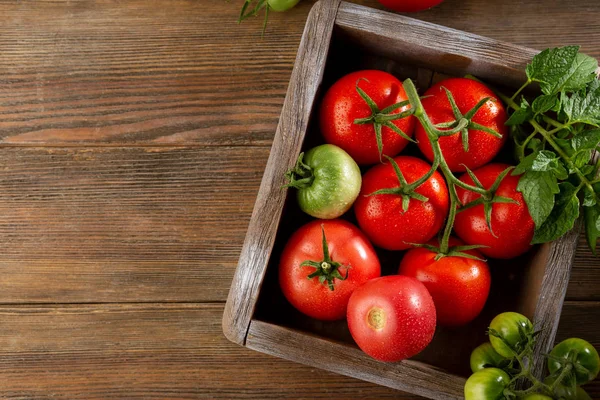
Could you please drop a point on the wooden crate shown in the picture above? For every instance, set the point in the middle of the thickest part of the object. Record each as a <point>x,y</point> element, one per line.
<point>341,37</point>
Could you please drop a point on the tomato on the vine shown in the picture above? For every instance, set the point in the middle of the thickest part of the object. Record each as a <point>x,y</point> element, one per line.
<point>459,285</point>
<point>409,5</point>
<point>321,265</point>
<point>393,221</point>
<point>509,326</point>
<point>484,356</point>
<point>537,396</point>
<point>482,146</point>
<point>343,105</point>
<point>512,226</point>
<point>580,355</point>
<point>487,384</point>
<point>391,318</point>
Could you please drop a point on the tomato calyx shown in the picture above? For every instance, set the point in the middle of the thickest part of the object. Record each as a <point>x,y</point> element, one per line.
<point>326,270</point>
<point>468,117</point>
<point>380,118</point>
<point>453,251</point>
<point>405,190</point>
<point>489,196</point>
<point>301,176</point>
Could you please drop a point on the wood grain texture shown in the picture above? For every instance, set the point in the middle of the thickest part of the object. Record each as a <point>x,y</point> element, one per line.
<point>171,73</point>
<point>183,72</point>
<point>173,351</point>
<point>123,224</point>
<point>412,376</point>
<point>295,115</point>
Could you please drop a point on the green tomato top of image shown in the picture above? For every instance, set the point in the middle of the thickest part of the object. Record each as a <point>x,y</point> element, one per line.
<point>335,184</point>
<point>484,356</point>
<point>509,325</point>
<point>578,353</point>
<point>487,384</point>
<point>282,5</point>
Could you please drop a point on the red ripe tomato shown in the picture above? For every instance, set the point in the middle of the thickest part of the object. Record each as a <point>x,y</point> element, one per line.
<point>511,223</point>
<point>409,5</point>
<point>483,146</point>
<point>458,285</point>
<point>347,246</point>
<point>391,318</point>
<point>342,105</point>
<point>382,217</point>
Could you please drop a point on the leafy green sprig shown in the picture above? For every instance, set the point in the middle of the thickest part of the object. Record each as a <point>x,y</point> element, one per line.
<point>555,136</point>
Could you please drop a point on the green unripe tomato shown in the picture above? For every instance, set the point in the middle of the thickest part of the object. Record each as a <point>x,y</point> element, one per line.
<point>578,353</point>
<point>281,5</point>
<point>507,325</point>
<point>328,181</point>
<point>484,356</point>
<point>487,384</point>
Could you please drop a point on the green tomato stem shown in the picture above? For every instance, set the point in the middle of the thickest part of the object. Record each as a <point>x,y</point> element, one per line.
<point>514,96</point>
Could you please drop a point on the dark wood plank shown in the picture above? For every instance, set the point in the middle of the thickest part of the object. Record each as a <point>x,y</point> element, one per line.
<point>174,351</point>
<point>293,124</point>
<point>138,72</point>
<point>124,224</point>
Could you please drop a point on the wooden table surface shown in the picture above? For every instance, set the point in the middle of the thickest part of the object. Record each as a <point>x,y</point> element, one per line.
<point>133,137</point>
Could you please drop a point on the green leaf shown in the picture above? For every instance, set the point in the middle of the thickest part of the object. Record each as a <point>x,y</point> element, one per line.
<point>538,189</point>
<point>581,73</point>
<point>592,230</point>
<point>583,106</point>
<point>589,197</point>
<point>582,158</point>
<point>552,68</point>
<point>519,116</point>
<point>563,215</point>
<point>543,103</point>
<point>525,164</point>
<point>545,160</point>
<point>586,140</point>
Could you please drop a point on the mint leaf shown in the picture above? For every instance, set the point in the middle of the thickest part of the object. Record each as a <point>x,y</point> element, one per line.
<point>545,161</point>
<point>591,217</point>
<point>583,106</point>
<point>519,116</point>
<point>544,103</point>
<point>581,73</point>
<point>538,189</point>
<point>552,68</point>
<point>563,215</point>
<point>586,140</point>
<point>589,197</point>
<point>525,164</point>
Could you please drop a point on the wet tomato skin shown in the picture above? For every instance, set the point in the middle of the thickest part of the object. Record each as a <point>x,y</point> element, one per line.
<point>512,225</point>
<point>483,146</point>
<point>391,318</point>
<point>342,105</point>
<point>459,286</point>
<point>347,245</point>
<point>382,217</point>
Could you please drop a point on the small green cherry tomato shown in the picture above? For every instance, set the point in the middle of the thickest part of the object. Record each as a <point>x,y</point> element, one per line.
<point>578,353</point>
<point>566,390</point>
<point>507,325</point>
<point>328,181</point>
<point>281,5</point>
<point>487,384</point>
<point>484,356</point>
